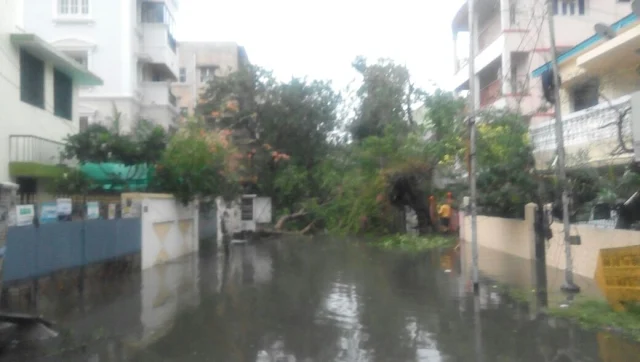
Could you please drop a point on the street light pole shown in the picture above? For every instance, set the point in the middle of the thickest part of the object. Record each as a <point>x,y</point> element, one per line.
<point>472,143</point>
<point>568,284</point>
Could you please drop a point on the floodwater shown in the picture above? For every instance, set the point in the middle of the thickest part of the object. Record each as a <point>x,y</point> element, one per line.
<point>308,300</point>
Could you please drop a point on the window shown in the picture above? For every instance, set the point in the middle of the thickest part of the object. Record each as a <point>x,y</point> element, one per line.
<point>207,73</point>
<point>31,79</point>
<point>73,7</point>
<point>81,57</point>
<point>183,75</point>
<point>158,13</point>
<point>84,123</point>
<point>585,95</point>
<point>62,95</point>
<point>152,12</point>
<point>568,7</point>
<point>246,209</point>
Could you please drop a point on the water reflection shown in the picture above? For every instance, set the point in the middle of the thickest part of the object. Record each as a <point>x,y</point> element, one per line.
<point>309,301</point>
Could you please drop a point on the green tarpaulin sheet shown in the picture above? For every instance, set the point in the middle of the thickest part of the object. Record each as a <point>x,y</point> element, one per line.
<point>114,176</point>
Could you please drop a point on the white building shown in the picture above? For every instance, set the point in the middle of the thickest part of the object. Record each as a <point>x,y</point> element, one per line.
<point>129,44</point>
<point>512,39</point>
<point>38,102</point>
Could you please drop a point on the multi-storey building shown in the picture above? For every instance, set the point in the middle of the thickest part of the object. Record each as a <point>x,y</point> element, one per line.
<point>599,99</point>
<point>39,102</point>
<point>199,63</point>
<point>512,38</point>
<point>129,44</point>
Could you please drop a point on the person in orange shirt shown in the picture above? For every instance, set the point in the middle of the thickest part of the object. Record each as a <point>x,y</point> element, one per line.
<point>445,212</point>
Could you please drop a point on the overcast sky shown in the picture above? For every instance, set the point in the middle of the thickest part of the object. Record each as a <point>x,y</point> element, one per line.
<point>319,39</point>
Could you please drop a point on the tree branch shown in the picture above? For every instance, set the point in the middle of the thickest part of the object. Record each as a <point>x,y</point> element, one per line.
<point>308,228</point>
<point>622,147</point>
<point>283,219</point>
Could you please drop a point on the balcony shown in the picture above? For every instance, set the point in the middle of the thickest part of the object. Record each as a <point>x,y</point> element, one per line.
<point>160,105</point>
<point>159,48</point>
<point>32,156</point>
<point>591,136</point>
<point>158,94</point>
<point>158,44</point>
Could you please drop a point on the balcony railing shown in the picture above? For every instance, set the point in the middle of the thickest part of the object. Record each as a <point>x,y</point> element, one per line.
<point>594,130</point>
<point>490,93</point>
<point>27,148</point>
<point>158,94</point>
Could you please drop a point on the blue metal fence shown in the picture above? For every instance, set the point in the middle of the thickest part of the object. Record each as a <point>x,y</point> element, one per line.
<point>35,252</point>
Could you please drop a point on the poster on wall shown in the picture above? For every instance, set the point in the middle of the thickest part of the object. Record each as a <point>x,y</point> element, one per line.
<point>48,212</point>
<point>111,213</point>
<point>64,207</point>
<point>93,210</point>
<point>24,215</point>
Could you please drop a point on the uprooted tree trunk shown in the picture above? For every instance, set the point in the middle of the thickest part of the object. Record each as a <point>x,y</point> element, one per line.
<point>283,219</point>
<point>404,192</point>
<point>279,226</point>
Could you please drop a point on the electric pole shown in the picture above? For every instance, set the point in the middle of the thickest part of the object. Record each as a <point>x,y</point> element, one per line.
<point>568,284</point>
<point>472,142</point>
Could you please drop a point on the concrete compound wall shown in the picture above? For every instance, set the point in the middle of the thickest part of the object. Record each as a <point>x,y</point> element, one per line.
<point>516,237</point>
<point>169,229</point>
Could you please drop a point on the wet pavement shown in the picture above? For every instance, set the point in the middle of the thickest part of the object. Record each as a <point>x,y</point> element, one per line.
<point>321,300</point>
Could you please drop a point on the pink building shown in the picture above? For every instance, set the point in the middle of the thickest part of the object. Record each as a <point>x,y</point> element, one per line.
<point>512,39</point>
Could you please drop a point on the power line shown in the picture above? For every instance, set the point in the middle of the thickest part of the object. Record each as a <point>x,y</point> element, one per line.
<point>531,55</point>
<point>533,15</point>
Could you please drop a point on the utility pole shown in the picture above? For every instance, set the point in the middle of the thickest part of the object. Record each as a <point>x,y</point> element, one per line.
<point>472,142</point>
<point>568,284</point>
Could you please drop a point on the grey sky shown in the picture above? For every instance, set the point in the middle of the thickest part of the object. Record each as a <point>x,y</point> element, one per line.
<point>319,39</point>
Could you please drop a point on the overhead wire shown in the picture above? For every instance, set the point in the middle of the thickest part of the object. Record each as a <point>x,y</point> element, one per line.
<point>531,55</point>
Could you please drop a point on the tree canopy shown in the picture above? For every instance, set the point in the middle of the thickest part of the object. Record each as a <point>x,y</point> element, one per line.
<point>254,133</point>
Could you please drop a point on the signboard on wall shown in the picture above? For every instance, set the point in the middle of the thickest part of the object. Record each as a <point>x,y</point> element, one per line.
<point>24,215</point>
<point>64,207</point>
<point>111,212</point>
<point>93,210</point>
<point>617,275</point>
<point>48,212</point>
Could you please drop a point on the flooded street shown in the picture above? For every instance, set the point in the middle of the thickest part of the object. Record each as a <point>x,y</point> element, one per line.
<point>301,300</point>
